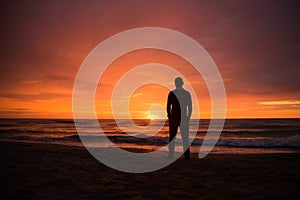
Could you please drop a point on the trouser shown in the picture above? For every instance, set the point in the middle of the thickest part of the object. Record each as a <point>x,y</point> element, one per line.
<point>184,131</point>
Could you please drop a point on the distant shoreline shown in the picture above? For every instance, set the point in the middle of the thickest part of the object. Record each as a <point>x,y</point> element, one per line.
<point>34,118</point>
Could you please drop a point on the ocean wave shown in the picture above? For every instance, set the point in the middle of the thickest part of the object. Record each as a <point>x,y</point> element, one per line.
<point>288,142</point>
<point>267,133</point>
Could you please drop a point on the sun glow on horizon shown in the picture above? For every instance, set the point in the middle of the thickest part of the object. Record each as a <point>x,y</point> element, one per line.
<point>152,117</point>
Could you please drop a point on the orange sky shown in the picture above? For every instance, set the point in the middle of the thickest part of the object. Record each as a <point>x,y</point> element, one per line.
<point>254,44</point>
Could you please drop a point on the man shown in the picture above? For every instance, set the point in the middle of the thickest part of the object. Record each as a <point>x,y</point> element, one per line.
<point>179,108</point>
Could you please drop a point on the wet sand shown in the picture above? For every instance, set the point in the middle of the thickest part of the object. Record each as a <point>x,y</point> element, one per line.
<point>48,171</point>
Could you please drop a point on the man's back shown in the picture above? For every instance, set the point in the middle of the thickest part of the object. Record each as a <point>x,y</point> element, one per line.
<point>179,104</point>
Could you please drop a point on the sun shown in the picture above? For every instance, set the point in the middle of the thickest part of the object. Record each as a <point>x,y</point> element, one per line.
<point>152,117</point>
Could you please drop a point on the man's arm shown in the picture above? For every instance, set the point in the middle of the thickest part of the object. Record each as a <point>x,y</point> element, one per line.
<point>169,105</point>
<point>189,105</point>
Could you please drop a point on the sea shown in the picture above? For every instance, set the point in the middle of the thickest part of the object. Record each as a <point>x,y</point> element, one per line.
<point>239,136</point>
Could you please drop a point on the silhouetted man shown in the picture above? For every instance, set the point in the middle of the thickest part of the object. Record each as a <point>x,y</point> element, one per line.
<point>179,108</point>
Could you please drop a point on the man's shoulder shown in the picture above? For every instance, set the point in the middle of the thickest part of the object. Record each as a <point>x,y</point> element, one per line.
<point>185,91</point>
<point>181,92</point>
<point>171,93</point>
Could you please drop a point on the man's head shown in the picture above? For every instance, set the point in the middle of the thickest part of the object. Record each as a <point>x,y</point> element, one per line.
<point>178,82</point>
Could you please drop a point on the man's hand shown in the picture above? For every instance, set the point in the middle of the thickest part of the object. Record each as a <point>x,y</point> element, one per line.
<point>188,118</point>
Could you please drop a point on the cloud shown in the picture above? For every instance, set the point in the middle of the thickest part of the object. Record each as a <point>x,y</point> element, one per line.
<point>287,105</point>
<point>30,82</point>
<point>33,97</point>
<point>59,77</point>
<point>274,103</point>
<point>20,109</point>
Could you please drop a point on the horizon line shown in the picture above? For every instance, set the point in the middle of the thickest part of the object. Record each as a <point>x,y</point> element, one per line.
<point>150,119</point>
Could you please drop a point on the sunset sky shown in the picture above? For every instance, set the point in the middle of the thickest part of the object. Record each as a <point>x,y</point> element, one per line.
<point>255,45</point>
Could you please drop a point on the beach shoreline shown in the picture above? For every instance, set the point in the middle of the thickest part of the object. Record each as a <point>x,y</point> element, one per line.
<point>194,149</point>
<point>31,170</point>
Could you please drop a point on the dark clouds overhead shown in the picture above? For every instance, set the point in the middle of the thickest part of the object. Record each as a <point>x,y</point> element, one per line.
<point>255,44</point>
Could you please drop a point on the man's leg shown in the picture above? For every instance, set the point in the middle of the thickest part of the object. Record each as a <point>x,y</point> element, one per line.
<point>172,134</point>
<point>184,130</point>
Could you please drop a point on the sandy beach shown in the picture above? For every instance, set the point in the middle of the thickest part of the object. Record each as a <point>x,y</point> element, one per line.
<point>46,171</point>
